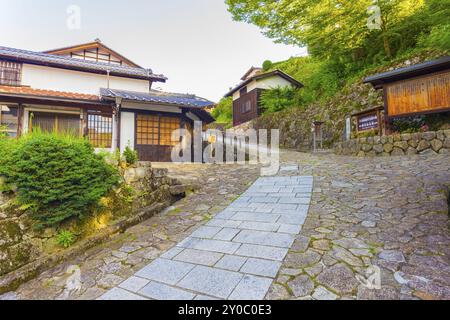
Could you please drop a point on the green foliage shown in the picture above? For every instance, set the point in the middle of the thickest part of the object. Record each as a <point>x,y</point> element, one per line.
<point>339,32</point>
<point>223,112</point>
<point>409,124</point>
<point>267,65</point>
<point>439,37</point>
<point>278,99</point>
<point>3,133</point>
<point>130,155</point>
<point>57,176</point>
<point>65,238</point>
<point>366,134</point>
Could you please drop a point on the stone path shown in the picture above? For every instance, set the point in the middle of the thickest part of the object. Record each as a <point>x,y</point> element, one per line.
<point>391,213</point>
<point>236,255</point>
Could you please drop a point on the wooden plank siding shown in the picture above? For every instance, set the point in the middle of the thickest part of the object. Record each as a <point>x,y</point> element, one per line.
<point>425,94</point>
<point>239,115</point>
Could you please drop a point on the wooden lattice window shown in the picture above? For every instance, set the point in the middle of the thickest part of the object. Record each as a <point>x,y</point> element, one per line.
<point>100,129</point>
<point>10,73</point>
<point>168,125</point>
<point>156,130</point>
<point>147,129</point>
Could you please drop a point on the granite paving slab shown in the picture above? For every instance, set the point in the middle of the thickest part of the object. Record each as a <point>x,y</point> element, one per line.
<point>235,255</point>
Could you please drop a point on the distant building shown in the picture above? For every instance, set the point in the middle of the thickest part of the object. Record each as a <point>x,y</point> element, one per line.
<point>246,96</point>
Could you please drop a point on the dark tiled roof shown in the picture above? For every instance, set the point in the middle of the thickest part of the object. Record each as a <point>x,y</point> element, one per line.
<point>154,96</point>
<point>77,64</point>
<point>259,76</point>
<point>409,72</point>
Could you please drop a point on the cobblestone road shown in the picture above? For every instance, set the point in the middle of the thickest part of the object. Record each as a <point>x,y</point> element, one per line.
<point>387,214</point>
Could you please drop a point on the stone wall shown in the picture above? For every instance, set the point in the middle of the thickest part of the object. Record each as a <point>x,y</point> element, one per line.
<point>397,145</point>
<point>21,244</point>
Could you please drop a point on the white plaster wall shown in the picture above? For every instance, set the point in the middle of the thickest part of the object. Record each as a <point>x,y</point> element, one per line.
<point>127,129</point>
<point>236,95</point>
<point>272,83</point>
<point>150,107</point>
<point>40,77</point>
<point>267,83</point>
<point>251,86</point>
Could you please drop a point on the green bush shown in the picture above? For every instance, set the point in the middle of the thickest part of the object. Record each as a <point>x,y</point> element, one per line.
<point>3,133</point>
<point>408,124</point>
<point>130,155</point>
<point>57,176</point>
<point>267,65</point>
<point>439,37</point>
<point>223,112</point>
<point>65,238</point>
<point>278,99</point>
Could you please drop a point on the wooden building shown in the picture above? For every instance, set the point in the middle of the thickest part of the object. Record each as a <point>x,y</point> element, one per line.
<point>246,95</point>
<point>92,90</point>
<point>419,89</point>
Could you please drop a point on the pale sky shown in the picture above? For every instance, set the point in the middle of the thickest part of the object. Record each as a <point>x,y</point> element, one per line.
<point>195,43</point>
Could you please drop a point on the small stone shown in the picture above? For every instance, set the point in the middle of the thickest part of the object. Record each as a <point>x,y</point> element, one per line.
<point>9,296</point>
<point>314,270</point>
<point>369,224</point>
<point>398,276</point>
<point>301,286</point>
<point>119,254</point>
<point>339,278</point>
<point>411,151</point>
<point>406,136</point>
<point>436,145</point>
<point>109,281</point>
<point>392,256</point>
<point>302,260</point>
<point>323,294</point>
<point>301,243</point>
<point>429,135</point>
<point>401,144</point>
<point>397,152</point>
<point>346,256</point>
<point>277,292</point>
<point>388,148</point>
<point>413,143</point>
<point>423,145</point>
<point>323,230</point>
<point>202,207</point>
<point>323,245</point>
<point>378,148</point>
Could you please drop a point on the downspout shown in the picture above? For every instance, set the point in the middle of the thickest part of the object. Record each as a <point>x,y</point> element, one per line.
<point>107,78</point>
<point>116,123</point>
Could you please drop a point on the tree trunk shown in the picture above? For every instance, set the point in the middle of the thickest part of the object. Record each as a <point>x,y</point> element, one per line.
<point>387,46</point>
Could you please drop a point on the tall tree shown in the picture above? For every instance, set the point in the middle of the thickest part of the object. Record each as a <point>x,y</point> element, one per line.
<point>330,28</point>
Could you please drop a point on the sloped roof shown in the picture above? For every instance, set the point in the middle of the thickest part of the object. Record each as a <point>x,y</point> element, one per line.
<point>260,76</point>
<point>27,91</point>
<point>195,104</point>
<point>409,72</point>
<point>156,96</point>
<point>244,77</point>
<point>90,45</point>
<point>51,60</point>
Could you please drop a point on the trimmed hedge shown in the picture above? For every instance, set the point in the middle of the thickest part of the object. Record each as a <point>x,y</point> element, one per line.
<point>57,176</point>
